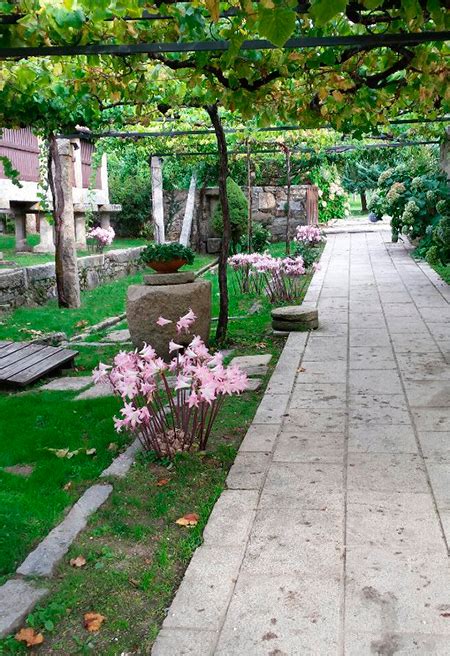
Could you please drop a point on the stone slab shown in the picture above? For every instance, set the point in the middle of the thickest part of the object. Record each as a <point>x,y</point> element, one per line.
<point>396,642</point>
<point>95,392</point>
<point>382,438</point>
<point>363,381</point>
<point>435,445</point>
<point>315,395</point>
<point>303,446</point>
<point>259,437</point>
<point>245,361</point>
<point>248,471</point>
<point>372,357</point>
<point>179,278</point>
<point>295,313</point>
<point>386,472</point>
<point>231,519</point>
<point>17,600</point>
<point>280,615</point>
<point>118,336</point>
<point>317,420</point>
<point>323,371</point>
<point>378,410</point>
<point>322,348</point>
<point>253,384</point>
<point>272,409</point>
<point>120,466</point>
<point>44,559</point>
<point>432,419</point>
<point>67,384</point>
<point>184,642</point>
<point>295,326</point>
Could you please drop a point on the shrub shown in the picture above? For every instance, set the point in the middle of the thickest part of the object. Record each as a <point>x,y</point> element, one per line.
<point>164,420</point>
<point>261,238</point>
<point>101,237</point>
<point>166,253</point>
<point>333,201</point>
<point>238,213</point>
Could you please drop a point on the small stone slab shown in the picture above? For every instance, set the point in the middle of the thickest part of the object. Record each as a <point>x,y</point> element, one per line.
<point>17,600</point>
<point>96,392</point>
<point>299,313</point>
<point>43,560</point>
<point>253,384</point>
<point>252,365</point>
<point>179,278</point>
<point>295,326</point>
<point>67,384</point>
<point>20,470</point>
<point>118,336</point>
<point>121,465</point>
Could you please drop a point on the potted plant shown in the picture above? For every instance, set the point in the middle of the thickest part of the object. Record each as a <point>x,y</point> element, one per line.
<point>167,258</point>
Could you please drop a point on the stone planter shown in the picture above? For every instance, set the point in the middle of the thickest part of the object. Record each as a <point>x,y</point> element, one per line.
<point>171,299</point>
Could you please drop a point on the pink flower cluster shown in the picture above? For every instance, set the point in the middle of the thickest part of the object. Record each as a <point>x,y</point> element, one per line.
<point>103,236</point>
<point>309,235</point>
<point>278,277</point>
<point>169,406</point>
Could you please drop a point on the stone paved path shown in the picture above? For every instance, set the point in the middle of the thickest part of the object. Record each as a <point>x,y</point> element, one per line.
<point>333,535</point>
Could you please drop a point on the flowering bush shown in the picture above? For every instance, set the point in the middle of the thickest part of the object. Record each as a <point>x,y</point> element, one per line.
<point>280,278</point>
<point>167,420</point>
<point>333,200</point>
<point>309,234</point>
<point>102,236</point>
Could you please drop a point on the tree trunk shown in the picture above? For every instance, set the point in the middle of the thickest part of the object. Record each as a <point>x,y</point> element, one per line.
<point>363,201</point>
<point>186,228</point>
<point>60,176</point>
<point>157,199</point>
<point>249,194</point>
<point>288,201</point>
<point>222,323</point>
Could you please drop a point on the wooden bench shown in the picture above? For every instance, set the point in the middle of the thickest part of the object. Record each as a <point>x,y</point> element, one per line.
<point>21,363</point>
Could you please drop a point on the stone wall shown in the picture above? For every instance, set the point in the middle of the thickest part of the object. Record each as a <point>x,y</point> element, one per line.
<point>268,208</point>
<point>35,285</point>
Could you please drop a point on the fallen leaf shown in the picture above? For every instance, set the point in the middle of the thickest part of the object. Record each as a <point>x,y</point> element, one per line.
<point>162,481</point>
<point>134,583</point>
<point>81,324</point>
<point>67,486</point>
<point>112,446</point>
<point>190,519</point>
<point>91,452</point>
<point>93,621</point>
<point>79,561</point>
<point>29,636</point>
<point>300,370</point>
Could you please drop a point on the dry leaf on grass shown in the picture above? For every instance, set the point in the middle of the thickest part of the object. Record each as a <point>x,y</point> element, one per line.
<point>113,446</point>
<point>81,324</point>
<point>79,561</point>
<point>190,519</point>
<point>91,452</point>
<point>93,621</point>
<point>162,481</point>
<point>29,636</point>
<point>67,486</point>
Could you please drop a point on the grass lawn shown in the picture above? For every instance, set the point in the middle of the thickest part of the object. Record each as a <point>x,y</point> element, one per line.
<point>443,271</point>
<point>136,554</point>
<point>8,243</point>
<point>96,304</point>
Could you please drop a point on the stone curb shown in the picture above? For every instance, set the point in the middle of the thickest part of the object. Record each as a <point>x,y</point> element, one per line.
<point>17,600</point>
<point>195,618</point>
<point>121,465</point>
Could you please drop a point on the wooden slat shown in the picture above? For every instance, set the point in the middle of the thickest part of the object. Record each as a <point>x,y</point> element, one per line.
<point>24,363</point>
<point>53,361</point>
<point>11,347</point>
<point>17,355</point>
<point>4,345</point>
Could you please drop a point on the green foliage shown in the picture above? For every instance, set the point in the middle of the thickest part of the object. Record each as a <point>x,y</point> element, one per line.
<point>10,171</point>
<point>167,253</point>
<point>238,213</point>
<point>417,198</point>
<point>261,239</point>
<point>129,186</point>
<point>333,201</point>
<point>310,253</point>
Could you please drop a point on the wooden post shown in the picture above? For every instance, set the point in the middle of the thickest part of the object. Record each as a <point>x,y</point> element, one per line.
<point>222,323</point>
<point>249,193</point>
<point>157,199</point>
<point>288,213</point>
<point>60,172</point>
<point>186,228</point>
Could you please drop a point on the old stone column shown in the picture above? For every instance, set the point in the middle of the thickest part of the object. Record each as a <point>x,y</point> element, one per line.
<point>444,155</point>
<point>20,230</point>
<point>30,224</point>
<point>47,243</point>
<point>80,231</point>
<point>157,199</point>
<point>105,220</point>
<point>66,265</point>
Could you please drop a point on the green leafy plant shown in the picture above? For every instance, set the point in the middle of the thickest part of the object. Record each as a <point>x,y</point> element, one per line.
<point>261,239</point>
<point>167,253</point>
<point>238,213</point>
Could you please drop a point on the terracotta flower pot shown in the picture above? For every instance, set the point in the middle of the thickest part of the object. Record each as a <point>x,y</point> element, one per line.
<point>171,266</point>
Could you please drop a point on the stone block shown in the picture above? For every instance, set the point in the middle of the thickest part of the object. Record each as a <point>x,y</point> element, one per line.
<point>12,278</point>
<point>121,465</point>
<point>67,383</point>
<point>266,201</point>
<point>248,471</point>
<point>40,272</point>
<point>91,261</point>
<point>17,600</point>
<point>259,437</point>
<point>118,336</point>
<point>44,559</point>
<point>295,313</point>
<point>231,519</point>
<point>386,472</point>
<point>145,304</point>
<point>246,361</point>
<point>303,446</point>
<point>170,278</point>
<point>184,642</point>
<point>213,245</point>
<point>295,326</point>
<point>123,255</point>
<point>95,392</point>
<point>272,409</point>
